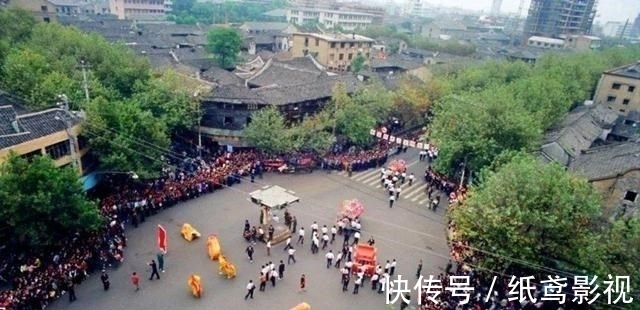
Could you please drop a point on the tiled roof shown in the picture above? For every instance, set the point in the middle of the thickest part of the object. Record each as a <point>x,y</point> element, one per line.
<point>264,26</point>
<point>221,77</point>
<point>607,161</point>
<point>282,95</point>
<point>394,61</point>
<point>35,125</point>
<point>577,132</point>
<point>630,71</point>
<point>286,73</point>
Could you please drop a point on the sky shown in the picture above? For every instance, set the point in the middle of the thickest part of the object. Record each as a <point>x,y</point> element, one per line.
<point>608,10</point>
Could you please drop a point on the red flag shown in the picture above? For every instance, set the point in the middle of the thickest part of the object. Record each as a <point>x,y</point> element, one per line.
<point>162,238</point>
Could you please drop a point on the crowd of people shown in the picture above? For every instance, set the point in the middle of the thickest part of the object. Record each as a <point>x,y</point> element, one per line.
<point>36,279</point>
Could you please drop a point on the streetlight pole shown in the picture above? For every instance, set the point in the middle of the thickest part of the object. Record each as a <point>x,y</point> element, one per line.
<point>63,104</point>
<point>196,95</point>
<point>85,82</point>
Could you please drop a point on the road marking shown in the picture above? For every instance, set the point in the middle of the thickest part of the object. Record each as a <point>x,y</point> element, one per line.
<point>366,174</point>
<point>418,190</point>
<point>423,201</point>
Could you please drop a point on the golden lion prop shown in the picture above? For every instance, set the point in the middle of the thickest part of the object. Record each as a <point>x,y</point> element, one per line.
<point>302,306</point>
<point>189,233</point>
<point>195,285</point>
<point>226,268</point>
<point>213,247</point>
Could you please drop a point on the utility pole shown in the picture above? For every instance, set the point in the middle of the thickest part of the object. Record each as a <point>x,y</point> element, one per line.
<point>196,95</point>
<point>624,29</point>
<point>66,118</point>
<point>85,82</point>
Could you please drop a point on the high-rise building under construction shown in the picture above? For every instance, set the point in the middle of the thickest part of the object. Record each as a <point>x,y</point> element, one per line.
<point>553,18</point>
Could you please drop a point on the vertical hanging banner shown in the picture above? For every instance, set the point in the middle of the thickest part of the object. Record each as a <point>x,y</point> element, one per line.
<point>162,238</point>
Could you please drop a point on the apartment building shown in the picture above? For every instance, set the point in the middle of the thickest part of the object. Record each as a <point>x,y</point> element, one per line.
<point>551,18</point>
<point>618,89</point>
<point>329,18</point>
<point>140,9</point>
<point>334,51</point>
<point>42,10</point>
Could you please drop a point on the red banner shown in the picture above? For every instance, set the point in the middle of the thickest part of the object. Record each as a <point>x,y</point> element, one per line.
<point>162,238</point>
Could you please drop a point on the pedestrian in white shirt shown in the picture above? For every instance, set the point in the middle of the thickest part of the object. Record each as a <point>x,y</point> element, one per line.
<point>386,267</point>
<point>291,253</point>
<point>324,229</point>
<point>338,259</point>
<point>334,231</point>
<point>329,256</point>
<point>398,190</point>
<point>392,199</point>
<point>314,227</point>
<point>300,236</point>
<point>392,267</point>
<point>411,178</point>
<point>356,237</point>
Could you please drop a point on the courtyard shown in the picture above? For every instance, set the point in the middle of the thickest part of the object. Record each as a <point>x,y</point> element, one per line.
<point>408,232</point>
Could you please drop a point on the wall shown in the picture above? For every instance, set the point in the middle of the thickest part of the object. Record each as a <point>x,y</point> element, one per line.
<point>327,55</point>
<point>615,99</point>
<point>42,10</point>
<point>614,190</point>
<point>41,144</point>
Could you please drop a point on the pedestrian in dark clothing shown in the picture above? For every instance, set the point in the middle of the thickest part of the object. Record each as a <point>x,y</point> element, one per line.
<point>104,277</point>
<point>154,270</point>
<point>249,251</point>
<point>405,302</point>
<point>419,269</point>
<point>272,277</point>
<point>71,288</point>
<point>294,224</point>
<point>345,283</point>
<point>263,281</point>
<point>281,270</point>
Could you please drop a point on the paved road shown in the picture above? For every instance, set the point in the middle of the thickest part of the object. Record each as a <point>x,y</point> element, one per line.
<point>408,232</point>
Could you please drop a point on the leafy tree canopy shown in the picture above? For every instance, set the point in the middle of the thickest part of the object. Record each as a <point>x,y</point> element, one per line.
<point>224,43</point>
<point>267,131</point>
<point>532,212</point>
<point>41,204</point>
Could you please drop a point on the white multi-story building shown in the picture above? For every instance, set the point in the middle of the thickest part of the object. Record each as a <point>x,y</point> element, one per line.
<point>415,8</point>
<point>616,29</point>
<point>329,18</point>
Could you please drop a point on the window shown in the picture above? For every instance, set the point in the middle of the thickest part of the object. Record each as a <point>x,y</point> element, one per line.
<point>630,196</point>
<point>342,45</point>
<point>625,101</point>
<point>228,120</point>
<point>248,120</point>
<point>616,86</point>
<point>46,20</point>
<point>44,8</point>
<point>58,150</point>
<point>333,44</point>
<point>29,156</point>
<point>632,88</point>
<point>317,42</point>
<point>622,110</point>
<point>341,57</point>
<point>332,56</point>
<point>306,42</point>
<point>611,98</point>
<point>352,44</point>
<point>350,56</point>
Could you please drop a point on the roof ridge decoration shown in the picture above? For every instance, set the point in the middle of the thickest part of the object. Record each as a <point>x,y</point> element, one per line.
<point>262,70</point>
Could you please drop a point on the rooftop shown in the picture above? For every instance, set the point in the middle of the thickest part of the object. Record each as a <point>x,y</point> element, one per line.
<point>607,161</point>
<point>340,12</point>
<point>67,2</point>
<point>287,73</point>
<point>630,71</point>
<point>18,128</point>
<point>265,26</point>
<point>576,133</point>
<point>546,40</point>
<point>336,37</point>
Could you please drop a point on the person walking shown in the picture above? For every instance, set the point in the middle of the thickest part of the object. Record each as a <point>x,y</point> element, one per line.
<point>281,270</point>
<point>71,289</point>
<point>345,282</point>
<point>269,247</point>
<point>154,270</point>
<point>392,199</point>
<point>250,288</point>
<point>338,259</point>
<point>104,277</point>
<point>325,241</point>
<point>303,283</point>
<point>135,280</point>
<point>294,223</point>
<point>291,257</point>
<point>273,275</point>
<point>392,267</point>
<point>160,258</point>
<point>334,231</point>
<point>330,258</point>
<point>300,236</point>
<point>263,281</point>
<point>287,244</point>
<point>405,301</point>
<point>375,278</point>
<point>356,238</point>
<point>356,285</point>
<point>249,251</point>
<point>419,271</point>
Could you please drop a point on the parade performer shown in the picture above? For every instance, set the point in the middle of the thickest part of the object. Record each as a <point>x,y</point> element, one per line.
<point>302,306</point>
<point>189,233</point>
<point>213,247</point>
<point>226,268</point>
<point>195,285</point>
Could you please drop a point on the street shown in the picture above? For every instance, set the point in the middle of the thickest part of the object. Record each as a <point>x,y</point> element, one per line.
<point>408,232</point>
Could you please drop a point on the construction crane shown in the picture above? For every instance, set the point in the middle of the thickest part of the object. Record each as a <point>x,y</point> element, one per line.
<point>517,22</point>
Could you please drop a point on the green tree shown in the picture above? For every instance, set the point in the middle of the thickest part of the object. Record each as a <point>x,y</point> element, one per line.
<point>312,134</point>
<point>267,131</point>
<point>16,25</point>
<point>474,129</point>
<point>169,99</point>
<point>533,212</point>
<point>358,63</point>
<point>376,99</point>
<point>126,137</point>
<point>41,204</point>
<point>224,44</point>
